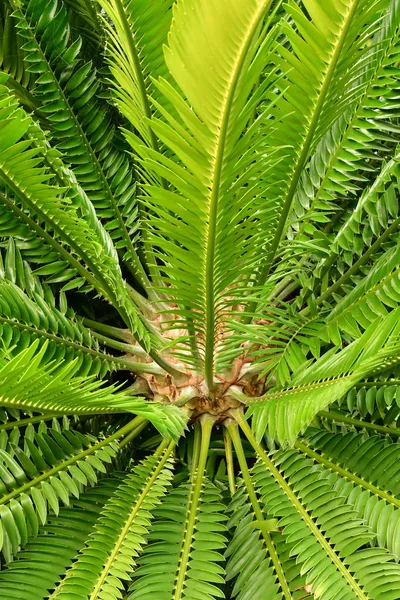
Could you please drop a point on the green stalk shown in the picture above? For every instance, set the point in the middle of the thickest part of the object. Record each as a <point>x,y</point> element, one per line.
<point>374,489</point>
<point>70,461</point>
<point>37,419</point>
<point>126,336</point>
<point>332,415</point>
<point>108,330</point>
<point>206,428</point>
<point>127,348</point>
<point>186,396</point>
<point>237,442</point>
<point>194,348</point>
<point>195,450</point>
<point>142,302</point>
<point>229,461</point>
<point>370,384</point>
<point>163,364</point>
<point>134,433</point>
<point>300,508</point>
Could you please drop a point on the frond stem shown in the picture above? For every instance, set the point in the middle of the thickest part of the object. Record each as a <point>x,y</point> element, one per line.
<point>332,415</point>
<point>195,450</point>
<point>127,348</point>
<point>28,421</point>
<point>120,334</point>
<point>229,461</point>
<point>134,433</point>
<point>370,384</point>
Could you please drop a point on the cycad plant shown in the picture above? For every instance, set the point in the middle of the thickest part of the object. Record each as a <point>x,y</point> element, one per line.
<point>199,299</point>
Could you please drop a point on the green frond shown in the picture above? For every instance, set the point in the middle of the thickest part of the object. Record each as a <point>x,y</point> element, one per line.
<point>354,571</point>
<point>29,384</point>
<point>340,166</point>
<point>188,530</point>
<point>248,563</point>
<point>199,226</point>
<point>206,223</point>
<point>371,298</point>
<point>265,563</point>
<point>287,412</point>
<point>136,35</point>
<point>32,248</point>
<point>107,559</point>
<point>378,508</point>
<point>13,70</point>
<point>24,319</point>
<point>161,569</point>
<point>79,122</point>
<point>321,50</point>
<point>59,540</point>
<point>75,229</point>
<point>361,454</point>
<point>376,215</point>
<point>380,399</point>
<point>52,466</point>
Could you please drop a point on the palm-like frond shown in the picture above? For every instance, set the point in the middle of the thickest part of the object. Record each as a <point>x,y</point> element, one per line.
<point>249,564</point>
<point>52,467</point>
<point>360,136</point>
<point>209,178</point>
<point>24,319</point>
<point>199,226</point>
<point>174,532</point>
<point>340,533</point>
<point>14,72</point>
<point>79,122</point>
<point>316,73</point>
<point>373,296</point>
<point>136,36</point>
<point>57,542</point>
<point>77,226</point>
<point>108,557</point>
<point>29,384</point>
<point>287,412</point>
